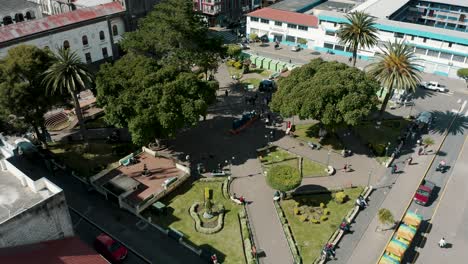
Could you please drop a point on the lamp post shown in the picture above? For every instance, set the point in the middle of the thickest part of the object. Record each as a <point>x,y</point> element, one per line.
<point>386,149</point>
<point>267,139</point>
<point>328,158</point>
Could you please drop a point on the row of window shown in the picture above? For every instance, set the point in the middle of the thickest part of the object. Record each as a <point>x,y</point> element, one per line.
<point>424,40</point>
<point>89,59</point>
<point>278,23</point>
<point>84,38</point>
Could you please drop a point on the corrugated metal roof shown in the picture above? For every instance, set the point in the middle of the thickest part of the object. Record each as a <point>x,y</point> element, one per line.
<point>31,27</point>
<point>285,16</point>
<point>450,2</point>
<point>381,8</point>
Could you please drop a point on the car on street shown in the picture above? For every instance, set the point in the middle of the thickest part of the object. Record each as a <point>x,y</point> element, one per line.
<point>296,48</point>
<point>423,194</point>
<point>110,248</point>
<point>434,86</point>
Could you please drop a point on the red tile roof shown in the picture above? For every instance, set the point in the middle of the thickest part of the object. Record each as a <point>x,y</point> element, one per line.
<point>31,27</point>
<point>285,16</point>
<point>64,251</point>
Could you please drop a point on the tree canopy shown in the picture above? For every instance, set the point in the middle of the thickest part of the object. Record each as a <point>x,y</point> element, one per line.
<point>463,73</point>
<point>330,92</point>
<point>22,92</point>
<point>153,101</point>
<point>153,89</point>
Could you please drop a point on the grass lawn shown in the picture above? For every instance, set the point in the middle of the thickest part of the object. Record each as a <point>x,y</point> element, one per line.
<point>262,72</point>
<point>311,168</point>
<point>254,81</point>
<point>309,132</point>
<point>98,156</point>
<point>279,157</point>
<point>233,71</point>
<point>388,131</point>
<point>227,243</point>
<point>312,237</point>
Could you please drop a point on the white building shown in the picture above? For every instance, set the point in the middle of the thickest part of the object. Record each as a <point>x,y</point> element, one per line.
<point>32,209</point>
<point>92,32</point>
<point>443,48</point>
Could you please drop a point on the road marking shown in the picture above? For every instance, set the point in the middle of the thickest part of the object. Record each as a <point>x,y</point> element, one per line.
<point>466,114</point>
<point>455,111</point>
<point>463,106</point>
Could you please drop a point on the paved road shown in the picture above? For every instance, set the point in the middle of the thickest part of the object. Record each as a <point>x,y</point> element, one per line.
<point>143,238</point>
<point>87,232</point>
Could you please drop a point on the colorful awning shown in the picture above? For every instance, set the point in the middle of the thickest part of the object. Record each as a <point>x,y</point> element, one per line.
<point>396,248</point>
<point>412,219</point>
<point>406,232</point>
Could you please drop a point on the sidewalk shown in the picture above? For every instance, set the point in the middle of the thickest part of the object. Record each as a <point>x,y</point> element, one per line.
<point>372,242</point>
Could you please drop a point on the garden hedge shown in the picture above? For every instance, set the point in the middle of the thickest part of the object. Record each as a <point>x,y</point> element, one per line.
<point>284,178</point>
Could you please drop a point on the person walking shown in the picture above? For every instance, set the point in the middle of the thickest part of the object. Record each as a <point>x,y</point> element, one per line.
<point>410,160</point>
<point>442,243</point>
<point>394,168</point>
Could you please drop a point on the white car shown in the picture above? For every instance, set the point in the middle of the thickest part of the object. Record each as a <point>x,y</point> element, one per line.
<point>435,86</point>
<point>296,48</point>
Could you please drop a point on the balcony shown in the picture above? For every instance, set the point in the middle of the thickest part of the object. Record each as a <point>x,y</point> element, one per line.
<point>211,10</point>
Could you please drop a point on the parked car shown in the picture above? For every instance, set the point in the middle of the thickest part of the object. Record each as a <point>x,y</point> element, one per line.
<point>110,248</point>
<point>296,48</point>
<point>435,86</point>
<point>266,86</point>
<point>423,194</point>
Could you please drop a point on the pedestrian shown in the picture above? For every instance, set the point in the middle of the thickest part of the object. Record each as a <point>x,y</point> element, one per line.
<point>329,250</point>
<point>226,93</point>
<point>420,151</point>
<point>242,199</point>
<point>290,61</point>
<point>394,168</point>
<point>350,59</point>
<point>410,160</point>
<point>442,243</point>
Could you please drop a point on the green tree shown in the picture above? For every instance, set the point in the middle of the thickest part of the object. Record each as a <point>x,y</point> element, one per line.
<point>154,101</point>
<point>283,178</point>
<point>463,73</point>
<point>68,74</point>
<point>234,51</point>
<point>358,32</point>
<point>385,216</point>
<point>174,33</point>
<point>395,68</point>
<point>330,92</point>
<point>22,92</point>
<point>253,37</point>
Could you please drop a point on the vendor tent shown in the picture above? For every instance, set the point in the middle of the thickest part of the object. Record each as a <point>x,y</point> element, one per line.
<point>396,248</point>
<point>412,219</point>
<point>406,232</point>
<point>388,259</point>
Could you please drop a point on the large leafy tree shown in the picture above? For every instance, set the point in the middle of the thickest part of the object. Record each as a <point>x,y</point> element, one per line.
<point>68,74</point>
<point>330,92</point>
<point>395,68</point>
<point>22,92</point>
<point>358,32</point>
<point>153,101</point>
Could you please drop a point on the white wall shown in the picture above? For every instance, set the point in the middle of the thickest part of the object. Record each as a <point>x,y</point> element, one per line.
<point>74,37</point>
<point>271,30</point>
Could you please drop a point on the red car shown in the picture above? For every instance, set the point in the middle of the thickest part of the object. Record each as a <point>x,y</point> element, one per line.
<point>111,249</point>
<point>423,194</point>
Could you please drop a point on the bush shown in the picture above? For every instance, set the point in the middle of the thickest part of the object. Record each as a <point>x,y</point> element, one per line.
<point>237,65</point>
<point>208,193</point>
<point>314,221</point>
<point>303,218</point>
<point>385,216</point>
<point>340,197</point>
<point>283,178</point>
<point>379,149</point>
<point>323,218</point>
<point>296,211</point>
<point>253,36</point>
<point>322,205</point>
<point>326,212</point>
<point>230,62</point>
<point>233,51</point>
<point>242,214</point>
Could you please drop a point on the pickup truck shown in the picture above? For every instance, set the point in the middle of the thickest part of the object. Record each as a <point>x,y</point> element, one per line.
<point>435,86</point>
<point>423,194</point>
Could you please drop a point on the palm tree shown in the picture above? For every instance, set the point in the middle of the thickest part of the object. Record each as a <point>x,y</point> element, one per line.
<point>395,68</point>
<point>359,32</point>
<point>69,74</point>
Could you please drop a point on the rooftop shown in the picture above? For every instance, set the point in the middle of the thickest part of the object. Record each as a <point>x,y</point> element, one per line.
<point>64,251</point>
<point>32,164</point>
<point>32,27</point>
<point>14,198</point>
<point>127,178</point>
<point>87,3</point>
<point>338,6</point>
<point>295,5</point>
<point>10,7</point>
<point>285,16</point>
<point>463,3</point>
<point>381,8</point>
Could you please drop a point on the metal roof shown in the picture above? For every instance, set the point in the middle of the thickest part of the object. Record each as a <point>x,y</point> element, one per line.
<point>450,2</point>
<point>27,28</point>
<point>285,16</point>
<point>381,8</point>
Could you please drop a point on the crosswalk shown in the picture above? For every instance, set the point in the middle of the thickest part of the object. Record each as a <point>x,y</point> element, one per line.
<point>462,108</point>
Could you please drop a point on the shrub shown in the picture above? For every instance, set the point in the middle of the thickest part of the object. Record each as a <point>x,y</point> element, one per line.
<point>296,211</point>
<point>314,221</point>
<point>242,214</point>
<point>340,197</point>
<point>283,178</point>
<point>208,193</point>
<point>326,212</point>
<point>322,205</point>
<point>253,36</point>
<point>323,218</point>
<point>237,65</point>
<point>233,51</point>
<point>379,149</point>
<point>385,216</point>
<point>230,62</point>
<point>303,218</point>
<point>301,41</point>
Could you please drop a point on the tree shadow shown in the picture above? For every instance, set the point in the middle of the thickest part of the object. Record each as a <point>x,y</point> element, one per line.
<point>421,93</point>
<point>442,121</point>
<point>208,251</point>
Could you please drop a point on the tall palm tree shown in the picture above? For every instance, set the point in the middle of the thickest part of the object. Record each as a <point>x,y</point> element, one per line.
<point>68,74</point>
<point>395,68</point>
<point>360,31</point>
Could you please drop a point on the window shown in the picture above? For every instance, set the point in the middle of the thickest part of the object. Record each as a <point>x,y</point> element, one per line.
<point>330,33</point>
<point>88,57</point>
<point>338,47</point>
<point>264,21</point>
<point>424,40</point>
<point>279,24</point>
<point>302,28</point>
<point>412,37</point>
<point>334,24</point>
<point>254,19</point>
<point>445,55</point>
<point>290,38</point>
<point>84,40</point>
<point>104,53</point>
<point>398,35</point>
<point>420,51</point>
<point>115,31</point>
<point>451,25</point>
<point>433,53</point>
<point>66,44</point>
<point>328,45</point>
<point>292,26</point>
<point>101,35</point>
<point>458,58</point>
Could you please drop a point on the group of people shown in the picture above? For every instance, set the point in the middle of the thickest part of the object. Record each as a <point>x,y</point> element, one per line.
<point>361,202</point>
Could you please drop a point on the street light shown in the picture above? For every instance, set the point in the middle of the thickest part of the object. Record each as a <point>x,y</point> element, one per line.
<point>386,149</point>
<point>328,158</point>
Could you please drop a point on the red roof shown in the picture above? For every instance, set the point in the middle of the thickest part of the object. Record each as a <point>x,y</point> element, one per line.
<point>23,29</point>
<point>64,251</point>
<point>285,16</point>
